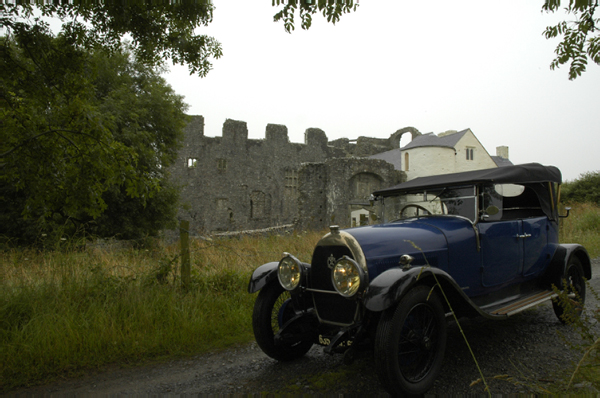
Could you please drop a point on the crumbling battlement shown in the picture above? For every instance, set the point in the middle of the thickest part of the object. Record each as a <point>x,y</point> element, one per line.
<point>232,182</point>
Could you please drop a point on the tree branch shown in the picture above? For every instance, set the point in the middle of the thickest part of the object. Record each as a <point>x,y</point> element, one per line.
<point>57,131</point>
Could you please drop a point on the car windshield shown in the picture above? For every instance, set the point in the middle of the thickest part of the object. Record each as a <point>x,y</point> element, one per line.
<point>458,201</point>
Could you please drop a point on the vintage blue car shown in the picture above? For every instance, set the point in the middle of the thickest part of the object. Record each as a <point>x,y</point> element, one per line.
<point>478,243</point>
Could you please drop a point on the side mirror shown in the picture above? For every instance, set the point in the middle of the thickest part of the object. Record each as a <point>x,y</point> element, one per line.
<point>568,209</point>
<point>492,210</point>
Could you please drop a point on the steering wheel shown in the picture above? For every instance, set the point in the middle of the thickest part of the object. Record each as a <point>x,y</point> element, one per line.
<point>418,209</point>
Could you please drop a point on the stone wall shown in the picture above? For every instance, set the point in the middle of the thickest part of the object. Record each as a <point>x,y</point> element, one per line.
<point>234,183</point>
<point>331,191</point>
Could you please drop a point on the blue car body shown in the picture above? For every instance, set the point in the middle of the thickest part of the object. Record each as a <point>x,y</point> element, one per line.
<point>485,243</point>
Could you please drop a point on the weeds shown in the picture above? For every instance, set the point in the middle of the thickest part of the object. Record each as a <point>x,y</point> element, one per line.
<point>586,324</point>
<point>583,227</point>
<point>67,311</point>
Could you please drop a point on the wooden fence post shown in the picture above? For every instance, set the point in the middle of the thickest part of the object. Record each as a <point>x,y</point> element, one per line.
<point>184,237</point>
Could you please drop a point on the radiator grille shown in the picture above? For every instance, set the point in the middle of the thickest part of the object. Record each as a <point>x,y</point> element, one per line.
<point>331,308</point>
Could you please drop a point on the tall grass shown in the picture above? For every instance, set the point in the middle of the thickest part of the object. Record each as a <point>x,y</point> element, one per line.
<point>62,313</point>
<point>583,227</point>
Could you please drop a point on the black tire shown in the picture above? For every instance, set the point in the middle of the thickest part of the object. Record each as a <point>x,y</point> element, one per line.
<point>410,343</point>
<point>273,307</point>
<point>575,284</point>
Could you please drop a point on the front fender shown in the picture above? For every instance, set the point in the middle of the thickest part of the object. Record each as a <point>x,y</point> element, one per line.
<point>388,288</point>
<point>262,276</point>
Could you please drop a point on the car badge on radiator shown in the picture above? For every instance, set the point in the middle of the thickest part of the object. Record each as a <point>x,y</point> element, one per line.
<point>330,261</point>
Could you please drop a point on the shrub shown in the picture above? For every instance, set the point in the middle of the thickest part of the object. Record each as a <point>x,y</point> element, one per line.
<point>584,189</point>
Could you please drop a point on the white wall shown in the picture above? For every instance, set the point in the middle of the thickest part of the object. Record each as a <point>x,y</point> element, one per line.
<point>481,158</point>
<point>426,161</point>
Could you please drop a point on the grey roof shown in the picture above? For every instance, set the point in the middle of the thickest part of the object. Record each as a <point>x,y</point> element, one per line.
<point>501,162</point>
<point>431,139</point>
<point>392,157</point>
<point>425,140</point>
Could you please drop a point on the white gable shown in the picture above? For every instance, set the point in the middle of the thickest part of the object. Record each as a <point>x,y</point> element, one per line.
<point>448,153</point>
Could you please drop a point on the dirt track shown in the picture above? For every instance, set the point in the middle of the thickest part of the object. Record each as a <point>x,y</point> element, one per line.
<point>526,347</point>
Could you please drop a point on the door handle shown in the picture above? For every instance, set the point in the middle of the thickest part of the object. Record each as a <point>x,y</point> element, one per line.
<point>523,236</point>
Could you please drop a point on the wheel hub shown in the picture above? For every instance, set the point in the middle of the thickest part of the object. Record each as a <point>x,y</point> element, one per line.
<point>426,343</point>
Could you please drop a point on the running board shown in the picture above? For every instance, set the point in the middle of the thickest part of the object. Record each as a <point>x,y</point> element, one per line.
<point>523,303</point>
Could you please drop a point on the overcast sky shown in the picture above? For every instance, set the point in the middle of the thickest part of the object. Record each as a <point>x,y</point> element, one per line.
<point>434,65</point>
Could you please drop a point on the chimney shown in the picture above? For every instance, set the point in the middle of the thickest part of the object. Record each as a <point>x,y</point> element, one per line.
<point>502,151</point>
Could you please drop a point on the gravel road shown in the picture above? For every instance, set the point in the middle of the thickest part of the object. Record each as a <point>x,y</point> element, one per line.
<point>526,348</point>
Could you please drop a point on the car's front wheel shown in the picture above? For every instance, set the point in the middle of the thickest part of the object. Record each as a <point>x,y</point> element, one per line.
<point>410,343</point>
<point>272,309</point>
<point>575,284</point>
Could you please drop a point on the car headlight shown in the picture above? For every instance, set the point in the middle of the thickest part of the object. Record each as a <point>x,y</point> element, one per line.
<point>347,276</point>
<point>289,272</point>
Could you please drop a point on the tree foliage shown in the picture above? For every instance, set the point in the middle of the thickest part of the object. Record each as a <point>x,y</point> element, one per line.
<point>584,189</point>
<point>158,30</point>
<point>83,132</point>
<point>332,10</point>
<point>580,38</point>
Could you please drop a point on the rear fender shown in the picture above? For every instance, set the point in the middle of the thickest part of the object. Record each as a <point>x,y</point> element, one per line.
<point>560,260</point>
<point>262,276</point>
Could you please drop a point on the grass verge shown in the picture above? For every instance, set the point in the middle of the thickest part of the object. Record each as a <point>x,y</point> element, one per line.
<point>63,313</point>
<point>583,227</point>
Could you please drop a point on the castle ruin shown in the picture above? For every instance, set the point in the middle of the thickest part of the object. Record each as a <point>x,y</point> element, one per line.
<point>232,183</point>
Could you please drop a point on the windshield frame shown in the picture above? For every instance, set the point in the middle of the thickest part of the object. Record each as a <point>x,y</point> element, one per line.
<point>437,201</point>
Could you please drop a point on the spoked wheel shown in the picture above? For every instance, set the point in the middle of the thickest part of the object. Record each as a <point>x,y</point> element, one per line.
<point>410,343</point>
<point>575,283</point>
<point>272,309</point>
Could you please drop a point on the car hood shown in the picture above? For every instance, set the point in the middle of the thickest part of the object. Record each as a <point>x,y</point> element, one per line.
<point>424,238</point>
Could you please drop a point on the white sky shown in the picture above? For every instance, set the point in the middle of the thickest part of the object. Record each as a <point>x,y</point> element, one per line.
<point>435,65</point>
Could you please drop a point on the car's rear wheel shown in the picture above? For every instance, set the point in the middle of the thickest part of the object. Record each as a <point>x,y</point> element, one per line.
<point>410,343</point>
<point>272,309</point>
<point>575,284</point>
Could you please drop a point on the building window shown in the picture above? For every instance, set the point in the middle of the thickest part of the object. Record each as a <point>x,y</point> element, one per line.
<point>470,153</point>
<point>192,162</point>
<point>406,162</point>
<point>291,182</point>
<point>222,204</point>
<point>259,205</point>
<point>363,184</point>
<point>222,164</point>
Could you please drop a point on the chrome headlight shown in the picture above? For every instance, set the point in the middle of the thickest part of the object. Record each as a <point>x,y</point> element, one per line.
<point>289,272</point>
<point>347,276</point>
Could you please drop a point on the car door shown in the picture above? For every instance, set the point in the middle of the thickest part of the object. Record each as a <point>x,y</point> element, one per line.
<point>536,251</point>
<point>501,235</point>
<point>501,251</point>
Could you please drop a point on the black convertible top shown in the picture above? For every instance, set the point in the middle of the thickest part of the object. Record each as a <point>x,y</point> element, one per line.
<point>518,174</point>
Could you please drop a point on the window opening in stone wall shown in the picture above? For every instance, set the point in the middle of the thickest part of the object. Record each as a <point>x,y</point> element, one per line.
<point>470,153</point>
<point>291,182</point>
<point>406,162</point>
<point>363,184</point>
<point>222,204</point>
<point>192,162</point>
<point>222,164</point>
<point>258,205</point>
<point>223,210</point>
